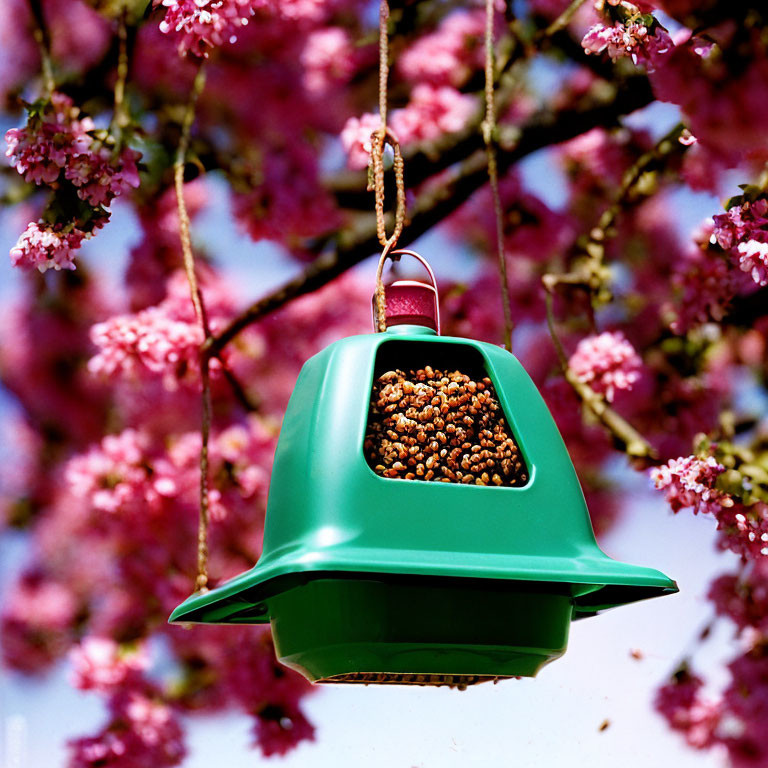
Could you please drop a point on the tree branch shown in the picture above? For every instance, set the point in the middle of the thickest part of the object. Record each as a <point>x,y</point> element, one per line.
<point>354,245</point>
<point>545,128</point>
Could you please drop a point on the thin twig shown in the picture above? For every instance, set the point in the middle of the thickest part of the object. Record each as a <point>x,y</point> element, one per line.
<point>201,582</point>
<point>43,40</point>
<point>489,137</point>
<point>120,117</point>
<point>627,438</point>
<point>666,146</point>
<point>564,19</point>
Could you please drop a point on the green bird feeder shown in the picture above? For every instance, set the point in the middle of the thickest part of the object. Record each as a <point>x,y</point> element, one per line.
<point>372,579</point>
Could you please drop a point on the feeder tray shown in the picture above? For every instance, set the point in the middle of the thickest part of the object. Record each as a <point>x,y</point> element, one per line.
<point>369,579</point>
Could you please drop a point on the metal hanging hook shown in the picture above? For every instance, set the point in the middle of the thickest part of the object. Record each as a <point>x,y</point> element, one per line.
<point>379,303</point>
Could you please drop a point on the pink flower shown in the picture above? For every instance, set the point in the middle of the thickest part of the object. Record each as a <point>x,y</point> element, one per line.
<point>101,176</point>
<point>753,259</point>
<point>47,247</point>
<point>706,280</point>
<point>744,529</point>
<point>450,54</point>
<point>690,482</point>
<point>163,340</point>
<point>681,704</point>
<point>632,39</point>
<point>743,597</point>
<point>743,230</point>
<point>150,339</point>
<point>204,24</point>
<point>356,139</point>
<point>37,622</point>
<point>57,138</point>
<point>143,731</point>
<point>432,111</point>
<point>741,223</point>
<point>279,209</point>
<point>53,135</point>
<point>328,59</point>
<point>606,362</point>
<point>113,476</point>
<point>723,101</point>
<point>279,729</point>
<point>99,663</point>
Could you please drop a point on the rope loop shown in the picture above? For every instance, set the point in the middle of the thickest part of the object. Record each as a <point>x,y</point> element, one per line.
<point>379,140</point>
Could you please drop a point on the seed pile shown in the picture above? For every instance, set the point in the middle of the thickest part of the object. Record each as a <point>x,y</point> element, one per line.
<point>434,425</point>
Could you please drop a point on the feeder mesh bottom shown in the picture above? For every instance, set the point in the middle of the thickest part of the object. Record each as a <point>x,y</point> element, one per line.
<point>402,678</point>
<point>442,426</point>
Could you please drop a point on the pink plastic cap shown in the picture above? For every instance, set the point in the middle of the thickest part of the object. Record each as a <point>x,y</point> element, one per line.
<point>410,302</point>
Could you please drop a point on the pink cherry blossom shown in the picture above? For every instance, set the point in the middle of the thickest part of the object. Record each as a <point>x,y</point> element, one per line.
<point>99,663</point>
<point>279,209</point>
<point>743,529</point>
<point>743,230</point>
<point>47,247</point>
<point>37,622</point>
<point>707,282</point>
<point>329,59</point>
<point>163,340</point>
<point>100,175</point>
<point>450,54</point>
<point>204,24</point>
<point>57,138</point>
<point>753,259</point>
<point>356,139</point>
<point>743,596</point>
<point>143,731</point>
<point>431,111</point>
<point>607,362</point>
<point>687,710</point>
<point>52,137</point>
<point>632,39</point>
<point>690,482</point>
<point>277,730</point>
<point>742,223</point>
<point>723,106</point>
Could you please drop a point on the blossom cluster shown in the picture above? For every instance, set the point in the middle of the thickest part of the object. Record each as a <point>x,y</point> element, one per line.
<point>716,98</point>
<point>59,144</point>
<point>329,59</point>
<point>450,54</point>
<point>143,730</point>
<point>47,246</point>
<point>431,111</point>
<point>162,340</point>
<point>99,663</point>
<point>686,710</point>
<point>689,482</point>
<point>743,231</point>
<point>204,24</point>
<point>633,39</point>
<point>705,280</point>
<point>607,362</point>
<point>56,138</point>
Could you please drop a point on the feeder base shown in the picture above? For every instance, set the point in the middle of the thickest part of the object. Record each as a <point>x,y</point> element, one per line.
<point>418,631</point>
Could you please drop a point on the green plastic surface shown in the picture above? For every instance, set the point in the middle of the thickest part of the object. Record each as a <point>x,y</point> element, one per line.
<point>457,627</point>
<point>329,515</point>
